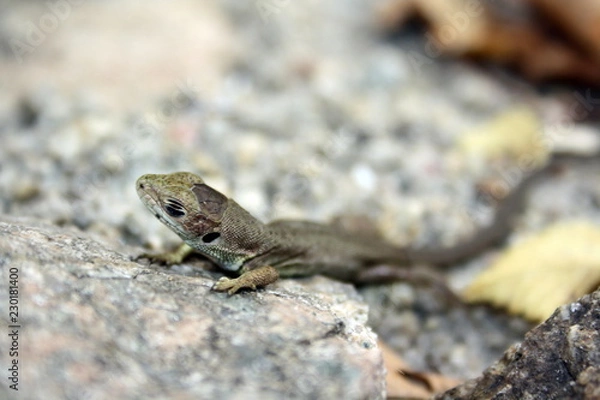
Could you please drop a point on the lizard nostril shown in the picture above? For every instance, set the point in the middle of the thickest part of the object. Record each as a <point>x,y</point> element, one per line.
<point>141,186</point>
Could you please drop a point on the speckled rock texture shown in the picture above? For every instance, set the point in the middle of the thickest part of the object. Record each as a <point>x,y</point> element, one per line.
<point>96,325</point>
<point>559,359</point>
<point>301,110</point>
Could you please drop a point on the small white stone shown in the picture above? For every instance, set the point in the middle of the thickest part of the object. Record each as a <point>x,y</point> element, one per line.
<point>575,307</point>
<point>576,139</point>
<point>364,177</point>
<point>251,147</point>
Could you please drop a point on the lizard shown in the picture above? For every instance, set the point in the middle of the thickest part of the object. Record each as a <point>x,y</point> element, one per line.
<point>217,227</point>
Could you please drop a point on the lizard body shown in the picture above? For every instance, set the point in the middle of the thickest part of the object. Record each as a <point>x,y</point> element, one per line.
<point>219,228</point>
<point>216,226</point>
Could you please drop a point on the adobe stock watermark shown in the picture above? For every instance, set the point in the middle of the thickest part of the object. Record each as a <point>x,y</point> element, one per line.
<point>580,107</point>
<point>269,8</point>
<point>457,23</point>
<point>297,183</point>
<point>13,328</point>
<point>145,129</point>
<point>37,31</point>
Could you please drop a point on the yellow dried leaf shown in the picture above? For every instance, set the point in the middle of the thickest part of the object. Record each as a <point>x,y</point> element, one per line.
<point>515,134</point>
<point>534,277</point>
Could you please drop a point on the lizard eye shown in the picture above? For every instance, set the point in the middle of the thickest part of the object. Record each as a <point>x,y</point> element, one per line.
<point>210,237</point>
<point>174,208</point>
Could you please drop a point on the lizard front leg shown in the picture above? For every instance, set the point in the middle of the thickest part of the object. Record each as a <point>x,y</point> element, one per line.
<point>169,258</point>
<point>248,280</point>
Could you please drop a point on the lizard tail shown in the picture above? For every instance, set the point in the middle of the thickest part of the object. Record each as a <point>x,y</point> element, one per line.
<point>504,218</point>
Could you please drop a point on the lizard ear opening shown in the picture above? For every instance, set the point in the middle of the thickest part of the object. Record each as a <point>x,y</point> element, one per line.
<point>213,203</point>
<point>211,237</point>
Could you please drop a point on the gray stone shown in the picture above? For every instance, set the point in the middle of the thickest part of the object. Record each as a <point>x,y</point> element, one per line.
<point>559,359</point>
<point>94,324</point>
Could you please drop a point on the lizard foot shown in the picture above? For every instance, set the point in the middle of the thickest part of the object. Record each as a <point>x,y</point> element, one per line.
<point>169,258</point>
<point>248,280</point>
<point>162,258</point>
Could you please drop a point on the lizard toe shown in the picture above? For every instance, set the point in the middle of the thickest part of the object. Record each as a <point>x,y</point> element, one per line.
<point>224,284</point>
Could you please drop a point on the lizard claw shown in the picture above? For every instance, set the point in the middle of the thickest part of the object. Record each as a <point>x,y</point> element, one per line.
<point>169,258</point>
<point>248,280</point>
<point>156,258</point>
<point>231,286</point>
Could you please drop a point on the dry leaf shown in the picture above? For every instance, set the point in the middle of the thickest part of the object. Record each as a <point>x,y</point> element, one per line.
<point>510,33</point>
<point>515,134</point>
<point>534,277</point>
<point>403,383</point>
<point>579,19</point>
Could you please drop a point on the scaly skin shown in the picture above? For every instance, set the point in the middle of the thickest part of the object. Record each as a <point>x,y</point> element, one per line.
<point>216,226</point>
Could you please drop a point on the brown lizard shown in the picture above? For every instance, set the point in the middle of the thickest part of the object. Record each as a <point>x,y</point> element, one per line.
<point>216,226</point>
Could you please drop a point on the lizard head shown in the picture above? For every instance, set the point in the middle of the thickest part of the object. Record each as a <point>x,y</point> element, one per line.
<point>183,202</point>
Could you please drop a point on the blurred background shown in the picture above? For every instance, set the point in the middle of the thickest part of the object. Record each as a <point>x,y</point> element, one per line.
<point>303,110</point>
<point>284,106</point>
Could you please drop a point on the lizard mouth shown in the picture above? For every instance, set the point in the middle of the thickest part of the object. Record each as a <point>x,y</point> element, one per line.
<point>150,199</point>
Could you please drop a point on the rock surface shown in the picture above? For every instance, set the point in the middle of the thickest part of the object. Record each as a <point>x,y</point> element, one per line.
<point>96,325</point>
<point>296,110</point>
<point>559,359</point>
